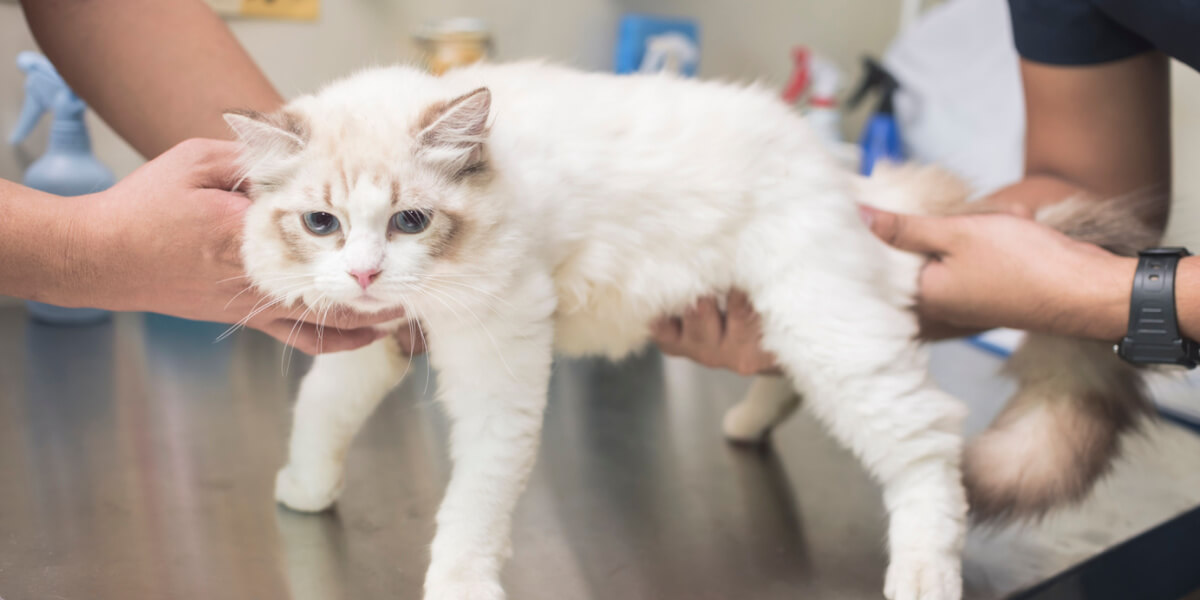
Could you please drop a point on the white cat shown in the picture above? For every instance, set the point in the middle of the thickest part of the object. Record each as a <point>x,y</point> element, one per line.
<point>518,210</point>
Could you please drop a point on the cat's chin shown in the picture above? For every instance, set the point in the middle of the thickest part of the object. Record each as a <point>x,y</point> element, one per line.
<point>370,304</point>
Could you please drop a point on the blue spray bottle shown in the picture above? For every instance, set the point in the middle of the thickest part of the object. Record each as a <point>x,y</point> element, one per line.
<point>68,167</point>
<point>880,138</point>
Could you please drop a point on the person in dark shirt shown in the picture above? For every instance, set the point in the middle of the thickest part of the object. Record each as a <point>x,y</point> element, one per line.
<point>1097,98</point>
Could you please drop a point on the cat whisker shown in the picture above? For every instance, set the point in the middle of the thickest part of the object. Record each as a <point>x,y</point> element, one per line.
<point>437,279</point>
<point>420,330</point>
<point>290,350</point>
<point>255,311</point>
<point>259,283</point>
<point>496,346</point>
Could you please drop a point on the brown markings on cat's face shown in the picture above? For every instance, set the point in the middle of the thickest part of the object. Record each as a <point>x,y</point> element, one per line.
<point>297,246</point>
<point>446,234</point>
<point>446,231</point>
<point>364,189</point>
<point>327,195</point>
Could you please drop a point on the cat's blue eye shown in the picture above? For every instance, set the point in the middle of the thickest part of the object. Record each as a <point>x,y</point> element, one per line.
<point>410,221</point>
<point>321,223</point>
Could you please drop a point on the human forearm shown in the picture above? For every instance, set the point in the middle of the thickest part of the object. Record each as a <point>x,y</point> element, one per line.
<point>1103,129</point>
<point>157,72</point>
<point>1036,191</point>
<point>1106,316</point>
<point>1187,297</point>
<point>44,254</point>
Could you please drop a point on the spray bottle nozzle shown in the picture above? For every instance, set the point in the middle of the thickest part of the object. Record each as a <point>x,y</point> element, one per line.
<point>875,76</point>
<point>44,90</point>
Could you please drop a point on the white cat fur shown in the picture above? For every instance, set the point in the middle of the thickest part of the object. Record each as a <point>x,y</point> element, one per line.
<point>598,204</point>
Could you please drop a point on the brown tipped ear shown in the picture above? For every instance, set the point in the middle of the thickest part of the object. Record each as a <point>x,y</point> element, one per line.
<point>270,141</point>
<point>450,135</point>
<point>281,132</point>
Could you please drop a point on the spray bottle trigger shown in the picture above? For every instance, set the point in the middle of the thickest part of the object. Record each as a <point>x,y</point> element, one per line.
<point>875,76</point>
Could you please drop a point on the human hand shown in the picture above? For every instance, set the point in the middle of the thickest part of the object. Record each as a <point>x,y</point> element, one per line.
<point>1002,270</point>
<point>728,340</point>
<point>167,239</point>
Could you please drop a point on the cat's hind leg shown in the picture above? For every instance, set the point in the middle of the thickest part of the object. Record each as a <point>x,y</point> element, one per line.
<point>767,403</point>
<point>853,355</point>
<point>336,396</point>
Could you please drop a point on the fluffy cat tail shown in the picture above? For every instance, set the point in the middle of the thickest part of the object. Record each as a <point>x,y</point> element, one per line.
<point>1058,434</point>
<point>1061,431</point>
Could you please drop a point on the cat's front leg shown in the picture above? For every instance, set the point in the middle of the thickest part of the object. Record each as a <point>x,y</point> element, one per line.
<point>336,397</point>
<point>493,378</point>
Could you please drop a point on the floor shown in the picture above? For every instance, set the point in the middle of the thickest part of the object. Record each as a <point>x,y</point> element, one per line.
<point>137,458</point>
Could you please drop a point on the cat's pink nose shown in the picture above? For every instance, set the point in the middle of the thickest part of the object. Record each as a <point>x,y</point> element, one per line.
<point>364,276</point>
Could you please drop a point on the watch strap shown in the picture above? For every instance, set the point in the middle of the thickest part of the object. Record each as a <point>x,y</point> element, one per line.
<point>1153,336</point>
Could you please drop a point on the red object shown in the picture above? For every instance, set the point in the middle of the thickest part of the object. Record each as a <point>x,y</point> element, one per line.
<point>800,76</point>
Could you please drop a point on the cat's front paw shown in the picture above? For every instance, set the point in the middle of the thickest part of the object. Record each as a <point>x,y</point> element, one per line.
<point>924,576</point>
<point>309,490</point>
<point>463,590</point>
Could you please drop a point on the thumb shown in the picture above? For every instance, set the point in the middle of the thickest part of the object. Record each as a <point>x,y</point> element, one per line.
<point>923,235</point>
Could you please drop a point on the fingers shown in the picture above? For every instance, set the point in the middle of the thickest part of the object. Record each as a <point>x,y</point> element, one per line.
<point>317,338</point>
<point>335,318</point>
<point>311,339</point>
<point>213,163</point>
<point>1018,210</point>
<point>923,235</point>
<point>743,338</point>
<point>349,319</point>
<point>703,324</point>
<point>667,333</point>
<point>705,335</point>
<point>410,341</point>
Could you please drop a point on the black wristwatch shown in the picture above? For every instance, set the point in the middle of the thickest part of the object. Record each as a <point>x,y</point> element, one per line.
<point>1154,336</point>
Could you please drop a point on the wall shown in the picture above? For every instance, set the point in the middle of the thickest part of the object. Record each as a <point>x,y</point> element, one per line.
<point>750,41</point>
<point>1184,228</point>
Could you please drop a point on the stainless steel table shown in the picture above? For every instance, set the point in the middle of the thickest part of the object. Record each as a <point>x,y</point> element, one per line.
<point>137,460</point>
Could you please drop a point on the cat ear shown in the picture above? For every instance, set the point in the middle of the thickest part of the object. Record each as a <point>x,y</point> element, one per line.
<point>269,141</point>
<point>450,135</point>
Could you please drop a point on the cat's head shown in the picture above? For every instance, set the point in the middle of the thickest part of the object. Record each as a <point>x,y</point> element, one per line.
<point>361,203</point>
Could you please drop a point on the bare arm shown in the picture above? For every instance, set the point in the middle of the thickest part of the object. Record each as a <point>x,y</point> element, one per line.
<point>157,71</point>
<point>1103,130</point>
<point>36,270</point>
<point>167,238</point>
<point>1098,131</point>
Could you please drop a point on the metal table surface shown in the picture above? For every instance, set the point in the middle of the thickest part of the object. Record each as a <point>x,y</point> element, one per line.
<point>137,459</point>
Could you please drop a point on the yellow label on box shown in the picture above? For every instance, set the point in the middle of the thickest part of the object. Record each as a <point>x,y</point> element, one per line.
<point>307,10</point>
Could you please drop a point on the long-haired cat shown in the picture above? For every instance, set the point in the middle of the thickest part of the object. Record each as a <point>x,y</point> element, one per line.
<point>519,210</point>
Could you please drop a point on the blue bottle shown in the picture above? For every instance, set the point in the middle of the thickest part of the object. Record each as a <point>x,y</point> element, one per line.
<point>68,167</point>
<point>880,139</point>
